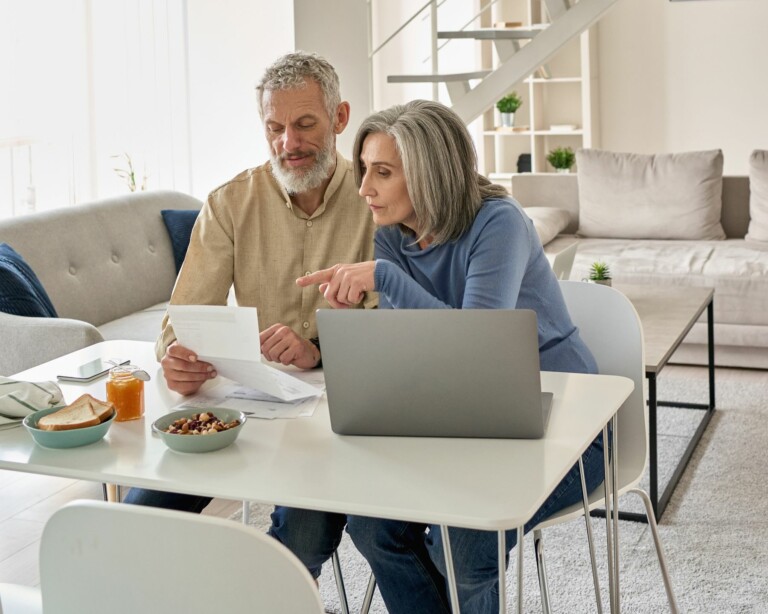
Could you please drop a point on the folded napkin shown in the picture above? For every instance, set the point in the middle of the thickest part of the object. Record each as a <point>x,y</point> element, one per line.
<point>19,399</point>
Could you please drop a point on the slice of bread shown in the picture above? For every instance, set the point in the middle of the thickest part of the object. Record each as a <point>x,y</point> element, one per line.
<point>84,411</point>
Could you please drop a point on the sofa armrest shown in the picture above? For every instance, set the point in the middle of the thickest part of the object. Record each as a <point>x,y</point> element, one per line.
<point>28,342</point>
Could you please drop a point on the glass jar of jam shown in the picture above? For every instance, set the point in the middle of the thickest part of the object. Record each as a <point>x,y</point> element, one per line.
<point>126,393</point>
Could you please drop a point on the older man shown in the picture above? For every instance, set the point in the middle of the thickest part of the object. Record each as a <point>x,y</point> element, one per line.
<point>258,232</point>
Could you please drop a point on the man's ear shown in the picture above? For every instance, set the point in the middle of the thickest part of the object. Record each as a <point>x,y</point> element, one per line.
<point>341,119</point>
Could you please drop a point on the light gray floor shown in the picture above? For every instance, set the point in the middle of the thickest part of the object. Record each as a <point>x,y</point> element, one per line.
<point>715,529</point>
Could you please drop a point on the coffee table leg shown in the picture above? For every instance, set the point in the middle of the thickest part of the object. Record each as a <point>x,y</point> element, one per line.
<point>711,351</point>
<point>652,444</point>
<point>452,590</point>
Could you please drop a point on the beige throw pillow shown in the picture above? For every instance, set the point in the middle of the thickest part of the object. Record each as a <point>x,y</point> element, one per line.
<point>758,196</point>
<point>548,221</point>
<point>665,196</point>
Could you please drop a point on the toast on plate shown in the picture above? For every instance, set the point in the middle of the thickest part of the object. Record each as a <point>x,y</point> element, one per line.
<point>84,411</point>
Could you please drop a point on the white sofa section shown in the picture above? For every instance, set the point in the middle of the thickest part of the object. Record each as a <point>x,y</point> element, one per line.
<point>735,267</point>
<point>107,266</point>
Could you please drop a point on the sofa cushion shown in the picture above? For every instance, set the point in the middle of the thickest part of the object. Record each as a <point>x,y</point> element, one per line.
<point>179,223</point>
<point>548,221</point>
<point>21,292</point>
<point>737,269</point>
<point>758,196</point>
<point>666,196</point>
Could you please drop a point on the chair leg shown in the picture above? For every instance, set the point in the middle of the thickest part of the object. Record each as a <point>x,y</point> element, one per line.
<point>246,512</point>
<point>659,548</point>
<point>368,595</point>
<point>590,539</point>
<point>538,547</point>
<point>340,582</point>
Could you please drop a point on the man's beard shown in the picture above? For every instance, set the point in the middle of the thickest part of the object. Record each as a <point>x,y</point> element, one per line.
<point>296,181</point>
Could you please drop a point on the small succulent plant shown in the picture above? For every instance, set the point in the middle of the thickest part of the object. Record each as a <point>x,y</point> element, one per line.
<point>599,271</point>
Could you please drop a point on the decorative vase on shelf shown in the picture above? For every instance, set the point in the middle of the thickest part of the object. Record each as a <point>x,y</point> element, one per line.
<point>507,105</point>
<point>563,170</point>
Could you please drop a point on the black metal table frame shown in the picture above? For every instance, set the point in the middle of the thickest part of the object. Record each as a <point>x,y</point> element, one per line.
<point>660,503</point>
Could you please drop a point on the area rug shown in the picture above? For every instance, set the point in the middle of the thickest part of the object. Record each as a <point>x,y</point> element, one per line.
<point>715,530</point>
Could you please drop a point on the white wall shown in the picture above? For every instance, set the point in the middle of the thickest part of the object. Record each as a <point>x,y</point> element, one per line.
<point>681,76</point>
<point>339,35</point>
<point>230,45</point>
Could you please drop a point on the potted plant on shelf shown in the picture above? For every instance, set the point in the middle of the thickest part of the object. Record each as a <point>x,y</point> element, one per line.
<point>599,273</point>
<point>507,107</point>
<point>562,159</point>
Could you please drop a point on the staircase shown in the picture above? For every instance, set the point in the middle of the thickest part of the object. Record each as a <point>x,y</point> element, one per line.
<point>521,51</point>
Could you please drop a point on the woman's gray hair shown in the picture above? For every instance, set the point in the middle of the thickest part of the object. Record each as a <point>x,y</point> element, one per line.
<point>292,71</point>
<point>440,166</point>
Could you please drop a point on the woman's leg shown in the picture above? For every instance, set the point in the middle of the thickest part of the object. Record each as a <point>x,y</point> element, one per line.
<point>475,553</point>
<point>312,536</point>
<point>395,550</point>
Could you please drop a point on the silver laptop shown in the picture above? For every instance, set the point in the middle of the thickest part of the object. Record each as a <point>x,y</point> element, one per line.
<point>433,373</point>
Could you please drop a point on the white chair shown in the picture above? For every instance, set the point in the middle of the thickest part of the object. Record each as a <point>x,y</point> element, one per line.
<point>610,326</point>
<point>123,559</point>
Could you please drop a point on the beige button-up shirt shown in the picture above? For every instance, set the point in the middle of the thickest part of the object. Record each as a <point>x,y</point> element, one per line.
<point>250,235</point>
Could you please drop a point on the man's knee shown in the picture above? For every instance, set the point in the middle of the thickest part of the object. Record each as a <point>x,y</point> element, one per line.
<point>374,535</point>
<point>308,534</point>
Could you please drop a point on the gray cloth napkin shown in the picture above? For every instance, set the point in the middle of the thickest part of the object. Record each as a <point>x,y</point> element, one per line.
<point>19,399</point>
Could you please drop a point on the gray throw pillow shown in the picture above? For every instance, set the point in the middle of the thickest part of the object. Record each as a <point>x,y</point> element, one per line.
<point>664,196</point>
<point>758,196</point>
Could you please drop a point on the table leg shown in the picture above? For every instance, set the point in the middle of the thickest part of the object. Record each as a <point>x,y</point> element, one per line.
<point>614,456</point>
<point>452,590</point>
<point>112,494</point>
<point>502,541</point>
<point>608,492</point>
<point>520,537</point>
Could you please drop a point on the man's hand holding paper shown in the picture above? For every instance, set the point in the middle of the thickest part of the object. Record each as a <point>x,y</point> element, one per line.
<point>227,338</point>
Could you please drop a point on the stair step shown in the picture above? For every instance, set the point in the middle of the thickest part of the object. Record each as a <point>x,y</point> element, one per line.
<point>495,33</point>
<point>441,78</point>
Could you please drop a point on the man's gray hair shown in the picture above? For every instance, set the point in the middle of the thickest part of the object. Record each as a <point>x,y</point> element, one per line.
<point>292,71</point>
<point>440,166</point>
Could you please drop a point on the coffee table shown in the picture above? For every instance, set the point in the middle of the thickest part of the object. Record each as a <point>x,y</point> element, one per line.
<point>667,314</point>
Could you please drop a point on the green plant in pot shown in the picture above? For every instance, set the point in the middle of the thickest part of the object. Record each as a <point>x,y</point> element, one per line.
<point>562,159</point>
<point>507,107</point>
<point>599,273</point>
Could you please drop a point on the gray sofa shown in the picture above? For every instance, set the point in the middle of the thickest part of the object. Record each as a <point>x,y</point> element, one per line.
<point>107,266</point>
<point>736,268</point>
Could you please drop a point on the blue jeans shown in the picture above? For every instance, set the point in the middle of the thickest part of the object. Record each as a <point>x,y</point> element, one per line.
<point>311,536</point>
<point>409,565</point>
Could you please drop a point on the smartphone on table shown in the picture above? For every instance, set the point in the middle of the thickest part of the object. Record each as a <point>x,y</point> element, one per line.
<point>90,370</point>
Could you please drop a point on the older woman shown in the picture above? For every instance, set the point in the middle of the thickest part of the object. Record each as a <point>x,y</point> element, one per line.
<point>449,239</point>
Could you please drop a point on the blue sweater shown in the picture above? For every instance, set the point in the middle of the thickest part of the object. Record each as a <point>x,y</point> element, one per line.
<point>498,264</point>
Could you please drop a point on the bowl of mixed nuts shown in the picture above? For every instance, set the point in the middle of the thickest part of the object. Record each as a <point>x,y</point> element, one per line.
<point>190,430</point>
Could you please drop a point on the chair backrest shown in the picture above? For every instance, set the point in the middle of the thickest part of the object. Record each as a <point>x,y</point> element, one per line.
<point>611,328</point>
<point>120,558</point>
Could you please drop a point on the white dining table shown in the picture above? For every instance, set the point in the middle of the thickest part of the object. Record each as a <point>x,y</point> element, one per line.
<point>489,484</point>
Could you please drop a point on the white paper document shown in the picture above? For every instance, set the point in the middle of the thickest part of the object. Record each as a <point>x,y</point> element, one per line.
<point>252,402</point>
<point>228,338</point>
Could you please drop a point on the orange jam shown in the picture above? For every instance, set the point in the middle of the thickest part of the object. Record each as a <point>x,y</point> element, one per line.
<point>126,393</point>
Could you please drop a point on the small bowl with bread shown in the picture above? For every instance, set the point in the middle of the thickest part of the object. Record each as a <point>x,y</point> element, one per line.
<point>190,430</point>
<point>84,421</point>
